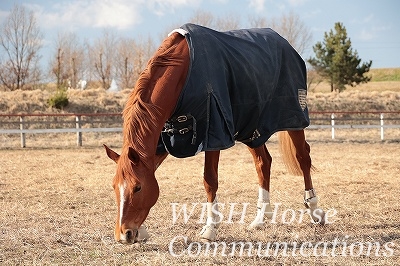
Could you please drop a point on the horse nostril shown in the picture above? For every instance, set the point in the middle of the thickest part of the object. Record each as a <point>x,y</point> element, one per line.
<point>129,235</point>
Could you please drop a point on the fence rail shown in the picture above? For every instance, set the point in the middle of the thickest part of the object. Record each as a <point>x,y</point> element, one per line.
<point>355,120</point>
<point>79,123</point>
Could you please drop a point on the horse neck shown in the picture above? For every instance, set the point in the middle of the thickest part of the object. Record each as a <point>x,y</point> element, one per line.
<point>166,75</point>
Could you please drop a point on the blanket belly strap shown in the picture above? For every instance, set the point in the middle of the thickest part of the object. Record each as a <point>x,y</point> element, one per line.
<point>181,125</point>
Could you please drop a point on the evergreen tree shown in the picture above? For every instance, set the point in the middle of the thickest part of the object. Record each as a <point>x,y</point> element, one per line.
<point>336,61</point>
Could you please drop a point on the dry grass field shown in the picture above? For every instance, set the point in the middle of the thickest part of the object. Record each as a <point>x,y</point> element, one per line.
<point>58,207</point>
<point>373,96</point>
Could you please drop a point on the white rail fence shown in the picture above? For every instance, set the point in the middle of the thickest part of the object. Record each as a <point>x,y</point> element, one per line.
<point>355,120</point>
<point>23,124</point>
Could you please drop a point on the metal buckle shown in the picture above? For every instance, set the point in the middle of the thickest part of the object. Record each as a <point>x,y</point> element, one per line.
<point>169,132</point>
<point>181,118</point>
<point>183,131</point>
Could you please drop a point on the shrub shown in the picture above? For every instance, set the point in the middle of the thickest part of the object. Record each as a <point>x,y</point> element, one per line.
<point>59,100</point>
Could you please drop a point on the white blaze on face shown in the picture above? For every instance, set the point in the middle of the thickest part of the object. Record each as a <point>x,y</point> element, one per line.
<point>122,188</point>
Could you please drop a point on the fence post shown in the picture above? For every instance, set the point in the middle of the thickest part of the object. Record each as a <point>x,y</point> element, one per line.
<point>78,132</point>
<point>333,125</point>
<point>21,126</point>
<point>381,116</point>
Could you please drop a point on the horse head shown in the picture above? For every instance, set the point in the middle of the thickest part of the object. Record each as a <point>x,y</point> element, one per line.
<point>136,191</point>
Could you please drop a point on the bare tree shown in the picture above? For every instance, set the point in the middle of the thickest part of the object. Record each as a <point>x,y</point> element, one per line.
<point>294,30</point>
<point>227,22</point>
<point>57,68</point>
<point>125,62</point>
<point>68,63</point>
<point>102,56</point>
<point>203,18</point>
<point>313,79</point>
<point>258,22</point>
<point>20,42</point>
<point>146,49</point>
<point>290,27</point>
<point>131,59</point>
<point>207,19</point>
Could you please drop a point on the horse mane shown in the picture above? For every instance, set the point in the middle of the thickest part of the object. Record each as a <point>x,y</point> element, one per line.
<point>140,116</point>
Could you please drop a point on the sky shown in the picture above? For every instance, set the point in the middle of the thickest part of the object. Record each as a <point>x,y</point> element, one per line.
<point>373,26</point>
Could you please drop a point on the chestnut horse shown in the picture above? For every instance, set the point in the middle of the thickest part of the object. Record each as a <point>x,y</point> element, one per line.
<point>150,105</point>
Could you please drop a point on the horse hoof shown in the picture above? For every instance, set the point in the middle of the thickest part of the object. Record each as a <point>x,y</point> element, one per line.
<point>318,216</point>
<point>256,225</point>
<point>268,212</point>
<point>208,233</point>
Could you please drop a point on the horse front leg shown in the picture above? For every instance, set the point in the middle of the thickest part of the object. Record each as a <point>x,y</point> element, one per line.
<point>262,160</point>
<point>209,231</point>
<point>302,150</point>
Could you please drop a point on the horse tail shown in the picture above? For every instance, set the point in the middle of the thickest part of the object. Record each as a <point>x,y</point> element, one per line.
<point>288,153</point>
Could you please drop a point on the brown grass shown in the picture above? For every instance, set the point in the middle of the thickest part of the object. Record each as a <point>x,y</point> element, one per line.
<point>378,86</point>
<point>373,96</point>
<point>95,140</point>
<point>385,74</point>
<point>57,206</point>
<point>354,100</point>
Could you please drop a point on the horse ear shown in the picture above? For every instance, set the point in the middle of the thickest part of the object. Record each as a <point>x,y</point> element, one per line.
<point>111,154</point>
<point>133,156</point>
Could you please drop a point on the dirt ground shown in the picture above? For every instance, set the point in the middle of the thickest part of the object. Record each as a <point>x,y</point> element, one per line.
<point>58,207</point>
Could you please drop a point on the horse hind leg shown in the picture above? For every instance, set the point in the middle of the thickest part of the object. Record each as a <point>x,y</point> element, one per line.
<point>295,152</point>
<point>209,231</point>
<point>262,160</point>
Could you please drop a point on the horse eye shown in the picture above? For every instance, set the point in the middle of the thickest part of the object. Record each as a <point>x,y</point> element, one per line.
<point>137,188</point>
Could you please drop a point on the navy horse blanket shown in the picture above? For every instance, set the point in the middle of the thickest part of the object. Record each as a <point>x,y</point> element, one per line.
<point>242,85</point>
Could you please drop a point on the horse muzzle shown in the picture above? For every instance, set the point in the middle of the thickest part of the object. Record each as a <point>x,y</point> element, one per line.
<point>130,236</point>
